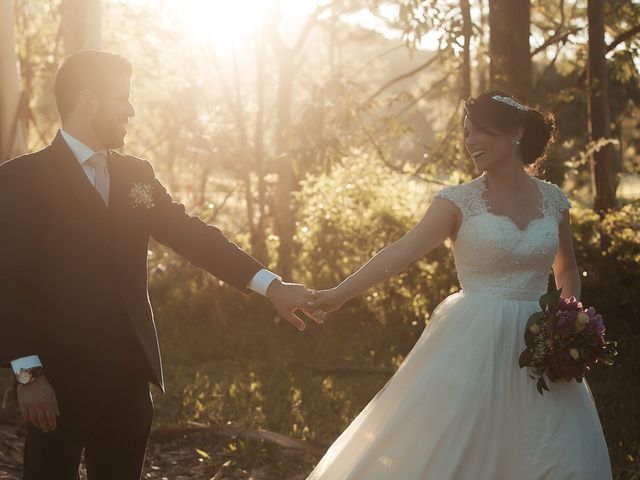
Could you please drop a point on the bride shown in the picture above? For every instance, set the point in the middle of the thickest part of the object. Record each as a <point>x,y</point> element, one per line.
<point>459,407</point>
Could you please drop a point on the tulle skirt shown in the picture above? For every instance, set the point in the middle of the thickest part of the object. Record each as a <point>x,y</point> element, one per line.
<point>459,407</point>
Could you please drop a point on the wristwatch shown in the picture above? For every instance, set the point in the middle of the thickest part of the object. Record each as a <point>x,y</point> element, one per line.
<point>25,376</point>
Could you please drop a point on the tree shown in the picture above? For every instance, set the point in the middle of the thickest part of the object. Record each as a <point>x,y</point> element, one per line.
<point>81,25</point>
<point>602,159</point>
<point>12,132</point>
<point>467,30</point>
<point>510,28</point>
<point>287,68</point>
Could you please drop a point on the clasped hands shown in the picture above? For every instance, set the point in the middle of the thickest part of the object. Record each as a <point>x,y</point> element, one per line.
<point>291,297</point>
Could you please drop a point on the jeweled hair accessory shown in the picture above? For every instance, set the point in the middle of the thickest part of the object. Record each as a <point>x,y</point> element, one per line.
<point>509,101</point>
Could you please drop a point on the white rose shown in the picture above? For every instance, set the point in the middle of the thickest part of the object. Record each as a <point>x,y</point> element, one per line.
<point>581,321</point>
<point>574,354</point>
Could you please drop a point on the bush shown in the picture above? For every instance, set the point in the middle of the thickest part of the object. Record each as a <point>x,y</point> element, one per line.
<point>348,216</point>
<point>608,254</point>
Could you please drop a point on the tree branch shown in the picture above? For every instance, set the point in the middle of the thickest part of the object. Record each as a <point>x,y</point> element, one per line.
<point>308,27</point>
<point>558,37</point>
<point>170,433</point>
<point>379,55</point>
<point>399,78</point>
<point>424,94</point>
<point>623,37</point>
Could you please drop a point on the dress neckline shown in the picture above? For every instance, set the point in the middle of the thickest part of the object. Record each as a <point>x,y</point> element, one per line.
<point>483,188</point>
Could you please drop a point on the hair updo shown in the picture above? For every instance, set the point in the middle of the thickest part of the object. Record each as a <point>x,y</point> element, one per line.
<point>497,112</point>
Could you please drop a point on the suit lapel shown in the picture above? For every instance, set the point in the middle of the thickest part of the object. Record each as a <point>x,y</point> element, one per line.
<point>118,193</point>
<point>72,176</point>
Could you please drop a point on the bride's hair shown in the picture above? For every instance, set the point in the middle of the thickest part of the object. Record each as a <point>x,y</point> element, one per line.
<point>497,112</point>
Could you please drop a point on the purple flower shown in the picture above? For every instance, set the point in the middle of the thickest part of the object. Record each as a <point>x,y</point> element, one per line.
<point>596,324</point>
<point>565,325</point>
<point>563,366</point>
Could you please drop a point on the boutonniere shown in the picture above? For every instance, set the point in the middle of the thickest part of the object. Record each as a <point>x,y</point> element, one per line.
<point>141,195</point>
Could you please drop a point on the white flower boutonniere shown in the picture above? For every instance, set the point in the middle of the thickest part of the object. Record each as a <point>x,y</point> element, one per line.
<point>141,195</point>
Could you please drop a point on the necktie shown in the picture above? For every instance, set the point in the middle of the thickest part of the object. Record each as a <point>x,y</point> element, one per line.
<point>99,163</point>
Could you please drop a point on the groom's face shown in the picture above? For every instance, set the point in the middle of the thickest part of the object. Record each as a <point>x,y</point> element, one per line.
<point>113,111</point>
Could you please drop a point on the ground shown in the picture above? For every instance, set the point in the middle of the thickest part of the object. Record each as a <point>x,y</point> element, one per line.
<point>207,456</point>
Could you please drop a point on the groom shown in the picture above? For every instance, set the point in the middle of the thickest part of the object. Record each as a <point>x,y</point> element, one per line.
<point>75,320</point>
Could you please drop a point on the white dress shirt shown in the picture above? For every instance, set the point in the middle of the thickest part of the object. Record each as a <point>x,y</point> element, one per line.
<point>259,283</point>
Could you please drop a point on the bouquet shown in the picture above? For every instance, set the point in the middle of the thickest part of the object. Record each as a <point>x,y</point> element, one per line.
<point>564,341</point>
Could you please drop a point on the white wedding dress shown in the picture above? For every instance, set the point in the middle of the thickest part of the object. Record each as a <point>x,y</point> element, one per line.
<point>459,407</point>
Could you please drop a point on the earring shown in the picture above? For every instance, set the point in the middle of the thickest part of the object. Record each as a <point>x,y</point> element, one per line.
<point>516,142</point>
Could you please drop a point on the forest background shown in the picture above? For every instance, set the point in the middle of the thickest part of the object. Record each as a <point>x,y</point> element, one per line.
<point>314,133</point>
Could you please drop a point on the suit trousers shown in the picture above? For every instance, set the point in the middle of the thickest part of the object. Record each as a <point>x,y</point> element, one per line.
<point>109,421</point>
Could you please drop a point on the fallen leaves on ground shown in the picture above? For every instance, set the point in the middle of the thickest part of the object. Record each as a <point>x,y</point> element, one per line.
<point>199,455</point>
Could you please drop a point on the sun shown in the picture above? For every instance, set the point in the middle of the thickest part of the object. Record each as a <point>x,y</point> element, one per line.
<point>221,24</point>
<point>227,24</point>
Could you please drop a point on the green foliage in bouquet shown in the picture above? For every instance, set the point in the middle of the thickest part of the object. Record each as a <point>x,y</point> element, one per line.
<point>533,355</point>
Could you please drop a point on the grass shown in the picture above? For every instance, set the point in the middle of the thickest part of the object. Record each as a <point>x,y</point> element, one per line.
<point>278,395</point>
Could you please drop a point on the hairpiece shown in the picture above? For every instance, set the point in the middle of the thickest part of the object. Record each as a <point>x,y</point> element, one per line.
<point>509,101</point>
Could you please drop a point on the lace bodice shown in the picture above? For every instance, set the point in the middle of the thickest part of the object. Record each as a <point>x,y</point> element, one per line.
<point>495,257</point>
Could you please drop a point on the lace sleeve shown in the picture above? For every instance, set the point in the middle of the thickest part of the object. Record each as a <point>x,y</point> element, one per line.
<point>556,201</point>
<point>462,196</point>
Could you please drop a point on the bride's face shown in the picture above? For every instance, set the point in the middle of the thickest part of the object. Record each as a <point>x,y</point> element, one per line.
<point>488,148</point>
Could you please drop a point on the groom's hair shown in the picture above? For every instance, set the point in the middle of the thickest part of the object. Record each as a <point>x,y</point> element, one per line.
<point>87,69</point>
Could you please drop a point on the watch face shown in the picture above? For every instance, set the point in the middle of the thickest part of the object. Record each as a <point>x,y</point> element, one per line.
<point>23,376</point>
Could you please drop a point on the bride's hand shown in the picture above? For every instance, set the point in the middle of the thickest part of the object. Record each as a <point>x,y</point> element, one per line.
<point>327,300</point>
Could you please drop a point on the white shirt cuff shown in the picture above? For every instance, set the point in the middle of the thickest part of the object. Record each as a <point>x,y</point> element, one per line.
<point>261,281</point>
<point>25,362</point>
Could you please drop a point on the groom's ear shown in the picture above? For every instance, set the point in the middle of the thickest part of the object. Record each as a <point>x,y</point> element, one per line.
<point>87,102</point>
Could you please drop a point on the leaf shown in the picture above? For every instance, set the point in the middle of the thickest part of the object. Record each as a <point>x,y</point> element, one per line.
<point>534,318</point>
<point>525,358</point>
<point>551,319</point>
<point>529,338</point>
<point>542,385</point>
<point>202,453</point>
<point>544,301</point>
<point>554,299</point>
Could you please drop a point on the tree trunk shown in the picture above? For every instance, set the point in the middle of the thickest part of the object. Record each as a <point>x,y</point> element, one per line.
<point>284,162</point>
<point>510,25</point>
<point>602,161</point>
<point>12,127</point>
<point>466,53</point>
<point>285,221</point>
<point>258,234</point>
<point>483,67</point>
<point>81,25</point>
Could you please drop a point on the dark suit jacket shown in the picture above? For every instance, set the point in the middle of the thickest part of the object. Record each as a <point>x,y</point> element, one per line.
<point>73,273</point>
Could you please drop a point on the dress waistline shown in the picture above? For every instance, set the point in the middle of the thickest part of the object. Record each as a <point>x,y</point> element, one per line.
<point>504,295</point>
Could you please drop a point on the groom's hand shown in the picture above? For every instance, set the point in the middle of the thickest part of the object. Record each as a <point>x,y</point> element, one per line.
<point>39,405</point>
<point>289,297</point>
